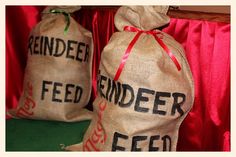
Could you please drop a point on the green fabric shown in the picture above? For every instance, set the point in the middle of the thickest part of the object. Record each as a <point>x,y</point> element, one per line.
<point>37,135</point>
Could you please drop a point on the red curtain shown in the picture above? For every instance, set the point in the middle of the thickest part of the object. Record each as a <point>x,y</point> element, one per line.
<point>207,45</point>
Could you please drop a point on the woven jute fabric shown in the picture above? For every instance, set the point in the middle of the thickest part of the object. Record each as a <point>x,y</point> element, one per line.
<point>144,108</point>
<point>58,75</point>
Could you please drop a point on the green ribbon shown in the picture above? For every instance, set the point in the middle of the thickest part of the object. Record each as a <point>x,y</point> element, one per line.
<point>67,17</point>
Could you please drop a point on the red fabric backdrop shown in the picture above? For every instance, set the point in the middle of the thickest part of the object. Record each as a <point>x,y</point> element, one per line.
<point>207,45</point>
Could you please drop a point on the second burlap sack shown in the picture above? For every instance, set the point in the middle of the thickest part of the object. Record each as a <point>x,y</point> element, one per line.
<point>145,86</point>
<point>58,77</point>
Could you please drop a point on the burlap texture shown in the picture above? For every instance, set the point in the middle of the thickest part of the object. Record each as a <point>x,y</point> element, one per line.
<point>162,95</point>
<point>58,75</point>
<point>143,17</point>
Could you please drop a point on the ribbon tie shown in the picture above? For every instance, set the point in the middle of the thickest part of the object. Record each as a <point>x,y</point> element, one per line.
<point>67,17</point>
<point>154,33</point>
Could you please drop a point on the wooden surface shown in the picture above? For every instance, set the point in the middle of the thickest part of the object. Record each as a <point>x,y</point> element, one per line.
<point>182,14</point>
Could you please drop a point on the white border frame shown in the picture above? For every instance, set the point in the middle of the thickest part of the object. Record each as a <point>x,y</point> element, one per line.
<point>4,3</point>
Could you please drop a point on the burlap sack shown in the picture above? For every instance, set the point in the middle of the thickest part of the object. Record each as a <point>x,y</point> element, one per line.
<point>142,108</point>
<point>57,80</point>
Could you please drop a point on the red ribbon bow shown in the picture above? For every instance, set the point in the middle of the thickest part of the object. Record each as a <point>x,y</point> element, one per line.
<point>128,50</point>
